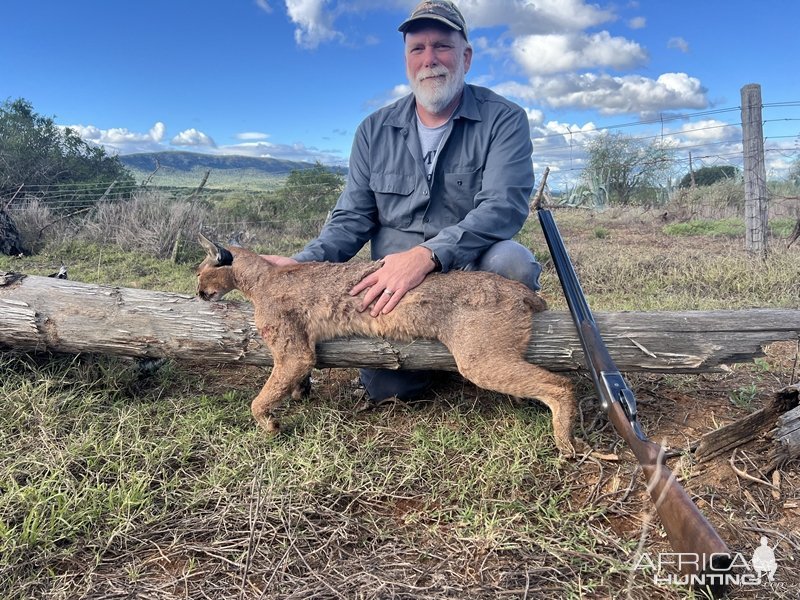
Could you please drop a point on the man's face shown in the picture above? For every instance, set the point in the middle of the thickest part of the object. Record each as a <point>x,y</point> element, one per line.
<point>436,62</point>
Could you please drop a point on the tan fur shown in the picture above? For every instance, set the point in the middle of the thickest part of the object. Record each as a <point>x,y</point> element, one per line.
<point>482,318</point>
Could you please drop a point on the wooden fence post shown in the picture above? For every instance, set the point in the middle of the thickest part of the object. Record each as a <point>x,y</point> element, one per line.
<point>755,174</point>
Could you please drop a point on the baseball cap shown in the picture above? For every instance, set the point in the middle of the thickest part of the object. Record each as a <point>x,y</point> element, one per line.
<point>443,11</point>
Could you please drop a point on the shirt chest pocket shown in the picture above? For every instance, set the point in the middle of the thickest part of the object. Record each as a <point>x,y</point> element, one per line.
<point>393,197</point>
<point>460,189</point>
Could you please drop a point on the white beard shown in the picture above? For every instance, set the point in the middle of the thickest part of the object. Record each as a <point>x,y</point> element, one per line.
<point>435,93</point>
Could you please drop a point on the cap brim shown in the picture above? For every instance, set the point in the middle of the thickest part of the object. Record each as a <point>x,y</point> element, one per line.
<point>408,22</point>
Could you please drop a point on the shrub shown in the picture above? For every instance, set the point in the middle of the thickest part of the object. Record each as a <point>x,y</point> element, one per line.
<point>724,228</point>
<point>39,225</point>
<point>715,201</point>
<point>146,223</point>
<point>709,176</point>
<point>44,157</point>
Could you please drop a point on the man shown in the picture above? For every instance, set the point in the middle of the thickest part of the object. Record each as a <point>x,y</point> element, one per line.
<point>439,180</point>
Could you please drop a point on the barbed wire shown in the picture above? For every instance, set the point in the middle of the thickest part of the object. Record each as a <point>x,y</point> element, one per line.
<point>692,146</point>
<point>567,159</point>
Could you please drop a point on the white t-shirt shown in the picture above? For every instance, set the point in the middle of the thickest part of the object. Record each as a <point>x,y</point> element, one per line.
<point>430,138</point>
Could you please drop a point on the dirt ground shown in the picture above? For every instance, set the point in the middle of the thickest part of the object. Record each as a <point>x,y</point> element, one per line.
<point>676,411</point>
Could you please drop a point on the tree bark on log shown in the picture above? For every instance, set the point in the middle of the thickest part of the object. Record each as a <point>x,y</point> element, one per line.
<point>778,410</point>
<point>787,431</point>
<point>44,314</point>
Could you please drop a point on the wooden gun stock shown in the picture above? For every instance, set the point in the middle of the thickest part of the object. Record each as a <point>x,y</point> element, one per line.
<point>688,531</point>
<point>705,557</point>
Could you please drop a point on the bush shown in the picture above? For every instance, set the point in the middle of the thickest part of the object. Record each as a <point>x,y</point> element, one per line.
<point>722,199</point>
<point>709,176</point>
<point>723,228</point>
<point>39,226</point>
<point>146,223</point>
<point>44,157</point>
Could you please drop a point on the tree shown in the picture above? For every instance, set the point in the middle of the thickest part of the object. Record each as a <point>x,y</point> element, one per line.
<point>709,175</point>
<point>37,153</point>
<point>309,193</point>
<point>630,170</point>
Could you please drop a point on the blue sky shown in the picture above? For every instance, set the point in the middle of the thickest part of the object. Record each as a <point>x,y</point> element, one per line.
<point>293,79</point>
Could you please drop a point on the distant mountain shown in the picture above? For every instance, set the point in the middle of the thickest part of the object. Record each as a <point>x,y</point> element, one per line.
<point>193,161</point>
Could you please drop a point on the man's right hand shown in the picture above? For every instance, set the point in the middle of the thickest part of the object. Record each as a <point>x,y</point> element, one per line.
<point>278,261</point>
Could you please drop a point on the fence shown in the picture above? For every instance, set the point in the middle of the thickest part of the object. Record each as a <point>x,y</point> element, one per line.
<point>230,204</point>
<point>695,140</point>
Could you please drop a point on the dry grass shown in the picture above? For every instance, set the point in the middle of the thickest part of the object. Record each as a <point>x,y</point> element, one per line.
<point>116,481</point>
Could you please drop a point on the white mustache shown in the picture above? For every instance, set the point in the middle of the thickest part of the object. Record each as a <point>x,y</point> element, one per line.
<point>432,72</point>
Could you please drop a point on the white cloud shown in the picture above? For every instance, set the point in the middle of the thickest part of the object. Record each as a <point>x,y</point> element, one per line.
<point>525,17</point>
<point>556,53</point>
<point>192,137</point>
<point>637,23</point>
<point>612,95</point>
<point>297,151</point>
<point>561,141</point>
<point>392,95</point>
<point>568,133</point>
<point>264,5</point>
<point>122,140</point>
<point>314,24</point>
<point>157,131</point>
<point>710,130</point>
<point>316,19</point>
<point>535,116</point>
<point>560,146</point>
<point>251,135</point>
<point>678,43</point>
<point>119,140</point>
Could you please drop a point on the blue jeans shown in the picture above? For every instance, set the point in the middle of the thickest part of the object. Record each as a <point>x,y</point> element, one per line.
<point>507,258</point>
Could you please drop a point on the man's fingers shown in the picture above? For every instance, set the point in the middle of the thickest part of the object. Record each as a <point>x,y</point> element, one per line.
<point>394,300</point>
<point>386,302</point>
<point>385,287</point>
<point>278,261</point>
<point>365,283</point>
<point>372,294</point>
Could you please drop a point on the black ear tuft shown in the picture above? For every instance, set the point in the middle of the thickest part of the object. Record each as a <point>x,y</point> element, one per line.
<point>221,256</point>
<point>224,257</point>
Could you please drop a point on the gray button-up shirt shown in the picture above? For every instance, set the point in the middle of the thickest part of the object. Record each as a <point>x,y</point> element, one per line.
<point>478,194</point>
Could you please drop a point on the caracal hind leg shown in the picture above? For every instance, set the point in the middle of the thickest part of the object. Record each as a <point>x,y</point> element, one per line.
<point>290,369</point>
<point>517,377</point>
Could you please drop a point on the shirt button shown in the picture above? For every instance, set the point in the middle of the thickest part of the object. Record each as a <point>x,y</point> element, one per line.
<point>425,193</point>
<point>426,220</point>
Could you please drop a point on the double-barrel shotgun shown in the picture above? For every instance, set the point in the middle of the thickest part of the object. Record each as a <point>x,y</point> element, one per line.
<point>704,557</point>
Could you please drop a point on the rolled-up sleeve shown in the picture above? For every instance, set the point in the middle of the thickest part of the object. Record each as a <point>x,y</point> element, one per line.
<point>501,205</point>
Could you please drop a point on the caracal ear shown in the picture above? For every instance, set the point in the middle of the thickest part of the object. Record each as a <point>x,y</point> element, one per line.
<point>220,257</point>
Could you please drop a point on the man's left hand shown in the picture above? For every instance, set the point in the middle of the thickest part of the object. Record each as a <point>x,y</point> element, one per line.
<point>400,273</point>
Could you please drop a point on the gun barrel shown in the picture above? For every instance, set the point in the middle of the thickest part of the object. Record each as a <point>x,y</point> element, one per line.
<point>687,529</point>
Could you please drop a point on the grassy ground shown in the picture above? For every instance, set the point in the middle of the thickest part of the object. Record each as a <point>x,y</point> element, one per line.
<point>118,481</point>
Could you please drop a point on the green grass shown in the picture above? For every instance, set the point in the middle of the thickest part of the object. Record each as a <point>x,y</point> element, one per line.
<point>220,179</point>
<point>732,228</point>
<point>744,397</point>
<point>107,264</point>
<point>115,480</point>
<point>633,266</point>
<point>103,466</point>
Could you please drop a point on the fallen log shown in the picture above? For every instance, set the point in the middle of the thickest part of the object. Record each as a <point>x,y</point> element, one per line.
<point>786,434</point>
<point>781,409</point>
<point>57,315</point>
